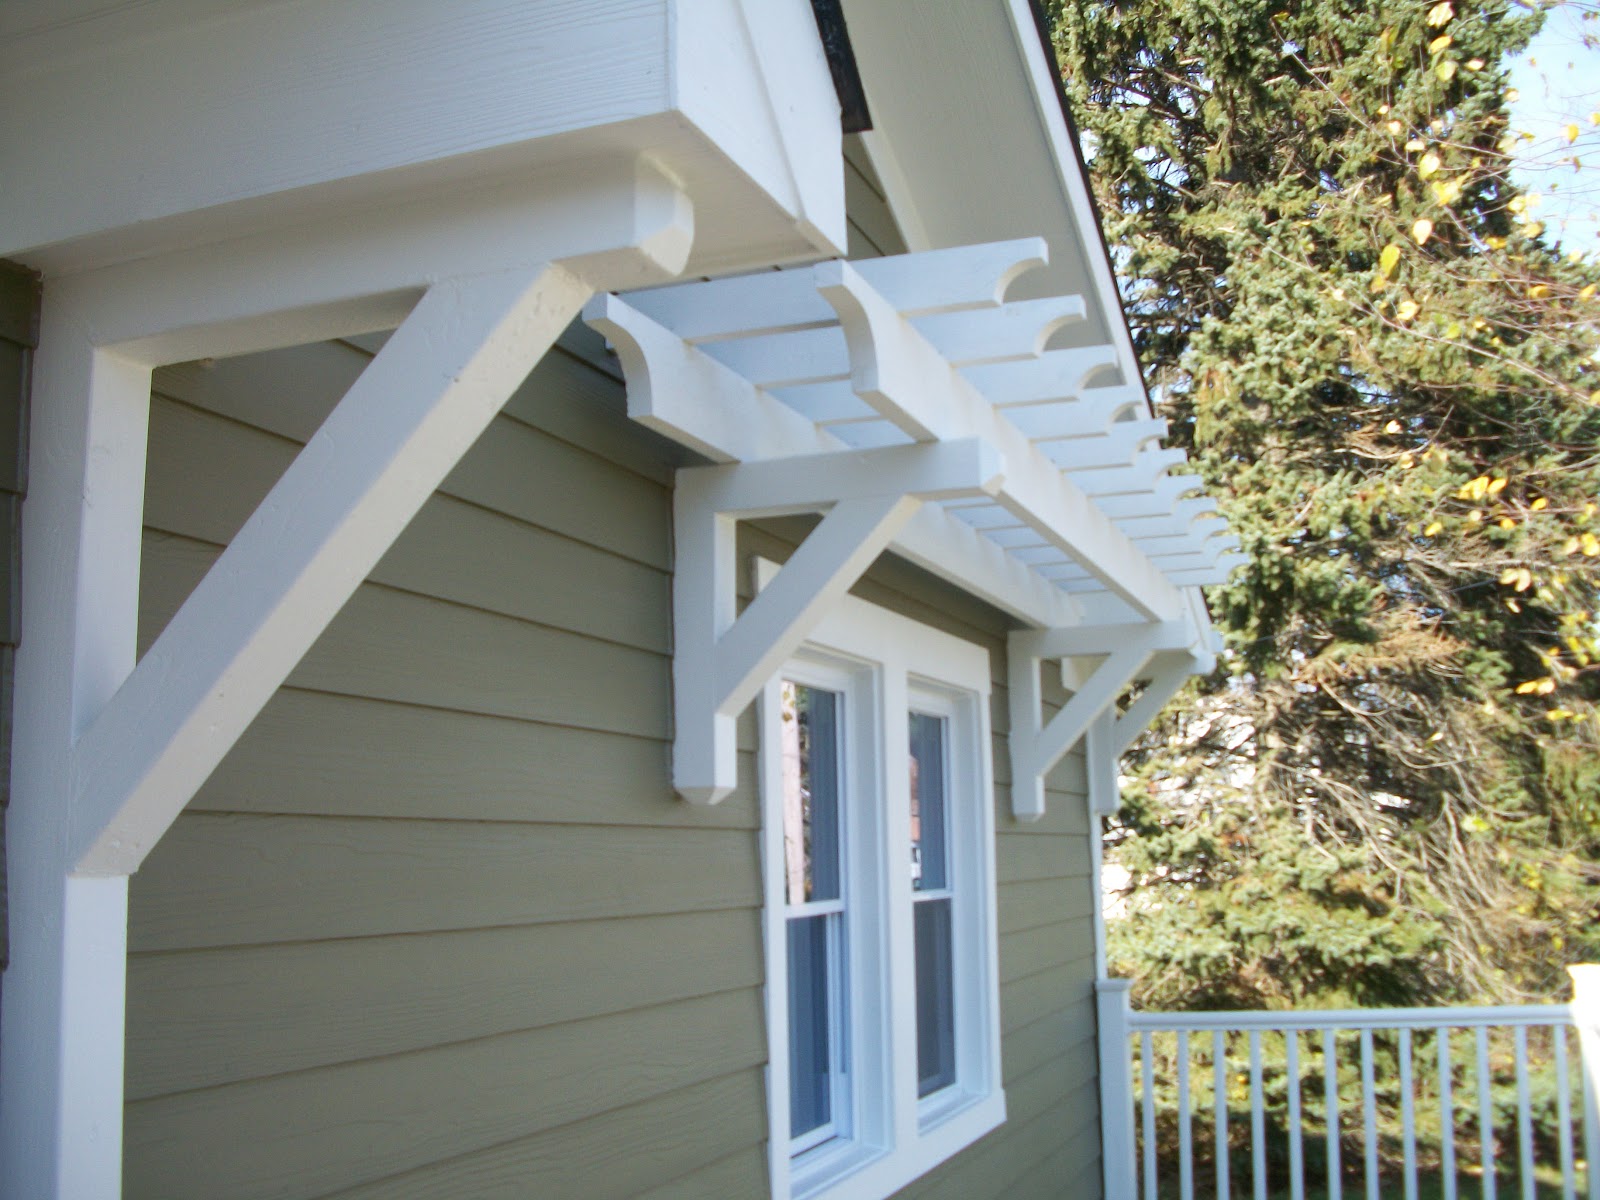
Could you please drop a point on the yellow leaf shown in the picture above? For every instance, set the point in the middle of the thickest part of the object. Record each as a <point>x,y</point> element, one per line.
<point>1507,523</point>
<point>1440,43</point>
<point>1446,70</point>
<point>1435,527</point>
<point>1406,310</point>
<point>1428,164</point>
<point>1533,228</point>
<point>1475,516</point>
<point>1538,291</point>
<point>1512,95</point>
<point>1378,284</point>
<point>1414,144</point>
<point>1453,330</point>
<point>1389,259</point>
<point>1447,191</point>
<point>1594,118</point>
<point>1422,230</point>
<point>1508,576</point>
<point>1395,127</point>
<point>1594,397</point>
<point>1572,133</point>
<point>1571,546</point>
<point>1528,688</point>
<point>1441,13</point>
<point>1495,243</point>
<point>1392,427</point>
<point>1590,545</point>
<point>1475,64</point>
<point>1586,293</point>
<point>1538,504</point>
<point>1497,486</point>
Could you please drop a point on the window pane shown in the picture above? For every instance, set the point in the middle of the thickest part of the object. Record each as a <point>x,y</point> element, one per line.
<point>810,1046</point>
<point>928,869</point>
<point>936,1024</point>
<point>810,792</point>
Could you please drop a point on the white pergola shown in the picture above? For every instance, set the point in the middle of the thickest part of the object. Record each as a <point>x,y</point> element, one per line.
<point>923,413</point>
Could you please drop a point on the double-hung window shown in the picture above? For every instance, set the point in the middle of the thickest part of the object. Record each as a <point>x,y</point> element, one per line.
<point>878,824</point>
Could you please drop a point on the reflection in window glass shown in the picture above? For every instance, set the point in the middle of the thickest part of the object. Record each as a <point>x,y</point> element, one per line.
<point>930,876</point>
<point>811,793</point>
<point>812,854</point>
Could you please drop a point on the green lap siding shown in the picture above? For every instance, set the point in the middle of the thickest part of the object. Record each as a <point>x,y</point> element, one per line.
<point>19,331</point>
<point>438,926</point>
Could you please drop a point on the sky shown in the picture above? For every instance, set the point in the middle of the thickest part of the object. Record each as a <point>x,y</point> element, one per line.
<point>1558,81</point>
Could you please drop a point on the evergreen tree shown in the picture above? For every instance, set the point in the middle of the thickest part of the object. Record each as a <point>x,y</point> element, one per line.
<point>1352,319</point>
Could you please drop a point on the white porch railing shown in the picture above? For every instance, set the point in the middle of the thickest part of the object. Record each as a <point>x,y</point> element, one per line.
<point>1379,1102</point>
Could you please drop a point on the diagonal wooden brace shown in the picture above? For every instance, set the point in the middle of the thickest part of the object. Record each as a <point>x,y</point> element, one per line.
<point>381,453</point>
<point>722,658</point>
<point>1128,650</point>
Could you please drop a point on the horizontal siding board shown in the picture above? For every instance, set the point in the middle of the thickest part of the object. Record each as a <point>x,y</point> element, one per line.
<point>309,1133</point>
<point>222,880</point>
<point>291,391</point>
<point>1032,950</point>
<point>1055,989</point>
<point>1052,1035</point>
<point>356,757</point>
<point>613,1156</point>
<point>869,214</point>
<point>210,1017</point>
<point>391,645</point>
<point>1025,856</point>
<point>740,1176</point>
<point>207,473</point>
<point>455,552</point>
<point>1031,903</point>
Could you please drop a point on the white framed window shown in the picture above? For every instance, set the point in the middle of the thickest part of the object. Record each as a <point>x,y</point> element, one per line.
<point>878,846</point>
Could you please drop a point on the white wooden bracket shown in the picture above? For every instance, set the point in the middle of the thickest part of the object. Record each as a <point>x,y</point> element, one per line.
<point>107,749</point>
<point>1163,652</point>
<point>721,658</point>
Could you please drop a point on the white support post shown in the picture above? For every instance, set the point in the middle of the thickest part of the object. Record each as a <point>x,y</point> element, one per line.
<point>720,660</point>
<point>1118,1161</point>
<point>61,1023</point>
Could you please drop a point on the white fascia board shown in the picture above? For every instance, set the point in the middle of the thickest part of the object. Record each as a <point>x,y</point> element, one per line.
<point>173,134</point>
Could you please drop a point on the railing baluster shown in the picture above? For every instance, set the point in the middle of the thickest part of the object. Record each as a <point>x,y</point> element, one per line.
<point>1147,1069</point>
<point>1558,1046</point>
<point>1330,1097</point>
<point>1369,1115</point>
<point>1591,1128</point>
<point>1485,1116</point>
<point>1524,1114</point>
<point>1185,1134</point>
<point>1258,1122</point>
<point>1297,1163</point>
<point>1219,1108</point>
<point>1447,1115</point>
<point>1408,1116</point>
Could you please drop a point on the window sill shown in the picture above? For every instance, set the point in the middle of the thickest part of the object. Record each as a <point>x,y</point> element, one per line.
<point>854,1172</point>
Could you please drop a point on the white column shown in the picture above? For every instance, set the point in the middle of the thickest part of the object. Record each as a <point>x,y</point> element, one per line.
<point>61,1021</point>
<point>1114,1009</point>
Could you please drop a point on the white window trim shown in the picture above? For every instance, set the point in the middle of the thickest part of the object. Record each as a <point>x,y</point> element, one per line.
<point>889,663</point>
